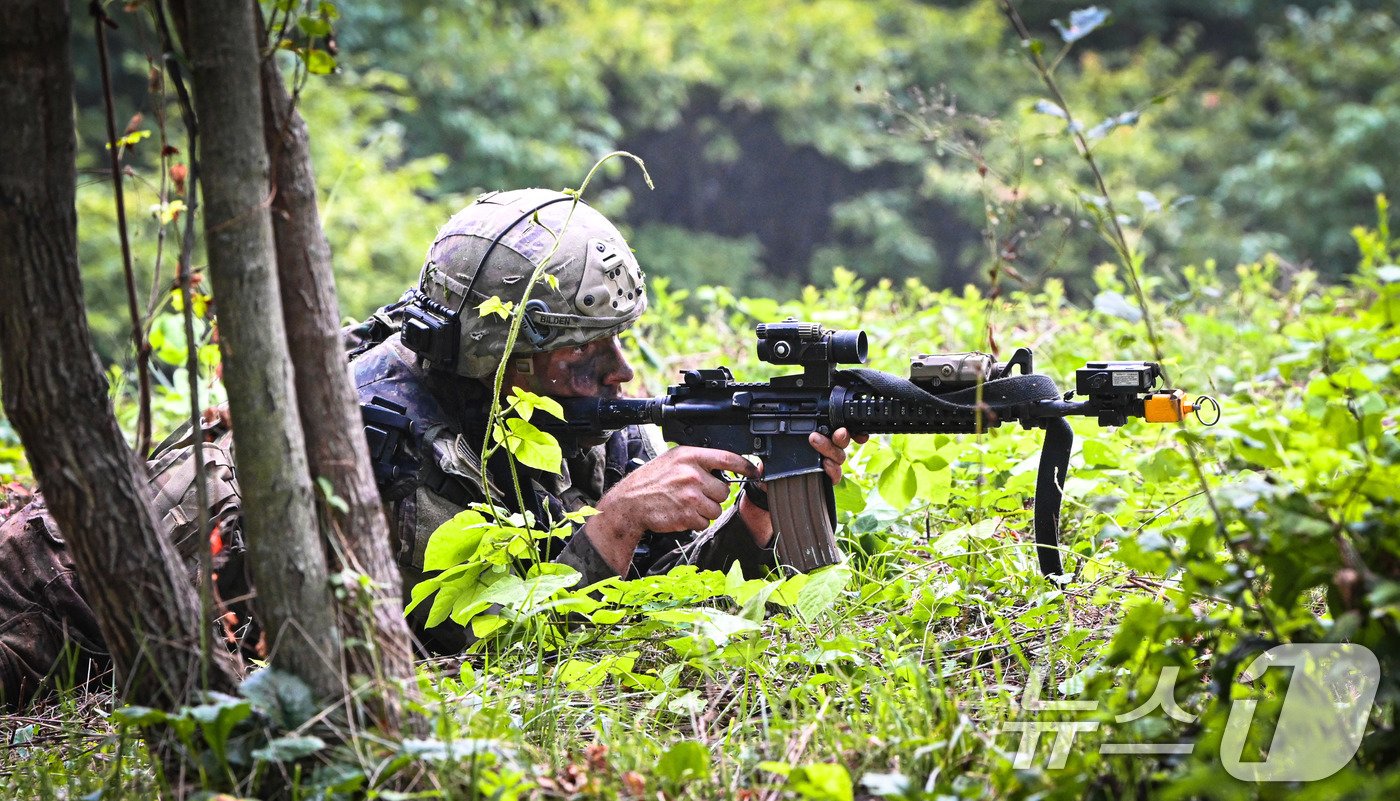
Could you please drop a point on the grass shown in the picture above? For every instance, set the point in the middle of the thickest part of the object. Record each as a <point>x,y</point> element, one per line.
<point>895,675</point>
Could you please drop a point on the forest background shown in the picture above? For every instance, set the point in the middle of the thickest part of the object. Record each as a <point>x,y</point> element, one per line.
<point>786,139</point>
<point>903,158</point>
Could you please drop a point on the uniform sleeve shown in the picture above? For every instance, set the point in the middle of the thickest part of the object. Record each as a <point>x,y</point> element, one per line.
<point>580,554</point>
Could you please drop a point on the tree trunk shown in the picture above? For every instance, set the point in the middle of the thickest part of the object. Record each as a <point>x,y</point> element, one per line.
<point>330,412</point>
<point>288,563</point>
<point>54,389</point>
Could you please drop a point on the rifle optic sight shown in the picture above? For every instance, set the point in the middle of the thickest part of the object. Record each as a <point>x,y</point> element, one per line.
<point>793,342</point>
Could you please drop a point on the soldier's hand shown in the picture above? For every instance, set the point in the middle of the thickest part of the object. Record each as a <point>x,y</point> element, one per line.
<point>676,491</point>
<point>833,453</point>
<point>833,450</point>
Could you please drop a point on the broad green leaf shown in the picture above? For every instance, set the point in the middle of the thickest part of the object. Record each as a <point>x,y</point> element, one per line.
<point>139,716</point>
<point>821,782</point>
<point>825,586</point>
<point>686,761</point>
<point>319,62</point>
<point>486,625</point>
<point>312,26</point>
<point>445,602</point>
<point>525,403</point>
<point>1098,454</point>
<point>850,496</point>
<point>289,749</point>
<point>455,541</point>
<point>284,698</point>
<point>533,447</point>
<point>791,589</point>
<point>494,305</point>
<point>899,484</point>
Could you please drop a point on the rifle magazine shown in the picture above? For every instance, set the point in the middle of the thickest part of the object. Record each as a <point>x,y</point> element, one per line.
<point>803,510</point>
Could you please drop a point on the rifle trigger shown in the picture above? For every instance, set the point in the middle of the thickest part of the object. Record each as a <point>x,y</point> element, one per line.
<point>723,475</point>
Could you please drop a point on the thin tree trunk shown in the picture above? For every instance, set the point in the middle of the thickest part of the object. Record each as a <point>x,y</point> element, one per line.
<point>330,412</point>
<point>288,563</point>
<point>54,389</point>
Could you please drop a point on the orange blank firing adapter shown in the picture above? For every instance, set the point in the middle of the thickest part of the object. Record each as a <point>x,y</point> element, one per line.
<point>1171,407</point>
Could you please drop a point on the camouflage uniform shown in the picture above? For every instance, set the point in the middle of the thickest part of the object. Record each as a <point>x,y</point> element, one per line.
<point>425,409</point>
<point>436,471</point>
<point>46,624</point>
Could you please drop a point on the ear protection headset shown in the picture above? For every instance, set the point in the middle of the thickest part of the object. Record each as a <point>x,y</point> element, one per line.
<point>434,330</point>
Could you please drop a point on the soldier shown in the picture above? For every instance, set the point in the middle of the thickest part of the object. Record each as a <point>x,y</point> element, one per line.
<point>421,368</point>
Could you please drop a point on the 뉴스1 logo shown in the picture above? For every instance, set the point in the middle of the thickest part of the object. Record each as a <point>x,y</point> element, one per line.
<point>1318,731</point>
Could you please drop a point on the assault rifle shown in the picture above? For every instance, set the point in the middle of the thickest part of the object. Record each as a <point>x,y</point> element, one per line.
<point>960,393</point>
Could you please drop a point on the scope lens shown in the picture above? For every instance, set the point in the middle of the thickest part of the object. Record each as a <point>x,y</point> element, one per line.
<point>849,347</point>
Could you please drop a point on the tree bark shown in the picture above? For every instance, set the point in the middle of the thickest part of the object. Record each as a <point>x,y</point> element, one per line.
<point>330,412</point>
<point>54,390</point>
<point>288,563</point>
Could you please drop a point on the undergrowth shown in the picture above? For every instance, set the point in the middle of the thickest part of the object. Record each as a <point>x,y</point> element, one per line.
<point>895,675</point>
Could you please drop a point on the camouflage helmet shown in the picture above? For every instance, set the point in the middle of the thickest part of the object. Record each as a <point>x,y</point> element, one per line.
<point>490,249</point>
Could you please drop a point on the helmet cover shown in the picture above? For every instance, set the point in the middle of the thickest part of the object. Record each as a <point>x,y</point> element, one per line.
<point>492,247</point>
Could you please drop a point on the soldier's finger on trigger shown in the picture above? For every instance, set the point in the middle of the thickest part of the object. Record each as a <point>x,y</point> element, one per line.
<point>715,459</point>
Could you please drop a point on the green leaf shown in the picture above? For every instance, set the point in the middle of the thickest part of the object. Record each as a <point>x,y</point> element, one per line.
<point>328,495</point>
<point>319,62</point>
<point>485,625</point>
<point>503,588</point>
<point>780,768</point>
<point>899,484</point>
<point>286,699</point>
<point>311,26</point>
<point>1098,454</point>
<point>217,719</point>
<point>711,624</point>
<point>822,782</point>
<point>139,716</point>
<point>533,447</point>
<point>822,590</point>
<point>455,541</point>
<point>850,496</point>
<point>525,403</point>
<point>686,761</point>
<point>494,305</point>
<point>289,749</point>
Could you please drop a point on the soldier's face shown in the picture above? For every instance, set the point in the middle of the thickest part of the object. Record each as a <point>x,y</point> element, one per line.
<point>596,370</point>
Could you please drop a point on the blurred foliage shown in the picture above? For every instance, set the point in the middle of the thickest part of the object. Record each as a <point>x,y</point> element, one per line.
<point>894,138</point>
